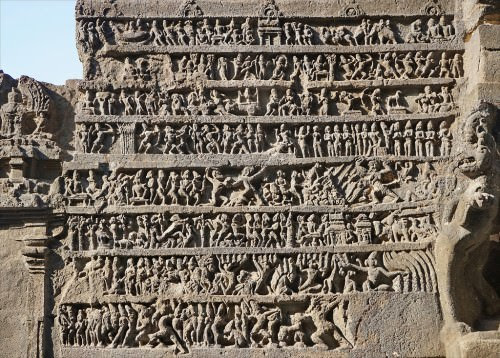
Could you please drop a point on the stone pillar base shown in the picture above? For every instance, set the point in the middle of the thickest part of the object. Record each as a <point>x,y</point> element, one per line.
<point>479,345</point>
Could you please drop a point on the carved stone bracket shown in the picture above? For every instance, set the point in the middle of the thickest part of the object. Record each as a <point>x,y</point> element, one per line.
<point>36,244</point>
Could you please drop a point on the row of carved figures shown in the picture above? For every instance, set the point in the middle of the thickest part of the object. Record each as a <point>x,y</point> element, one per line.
<point>358,182</point>
<point>93,35</point>
<point>183,326</point>
<point>153,231</point>
<point>336,140</point>
<point>254,101</point>
<point>255,274</point>
<point>329,67</point>
<point>323,67</point>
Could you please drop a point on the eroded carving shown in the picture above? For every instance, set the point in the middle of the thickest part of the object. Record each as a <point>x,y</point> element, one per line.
<point>259,176</point>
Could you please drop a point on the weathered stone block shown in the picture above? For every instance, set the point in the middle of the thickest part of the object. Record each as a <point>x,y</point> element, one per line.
<point>256,179</point>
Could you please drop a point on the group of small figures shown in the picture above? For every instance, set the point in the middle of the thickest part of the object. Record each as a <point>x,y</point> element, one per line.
<point>362,182</point>
<point>249,274</point>
<point>382,32</point>
<point>152,231</point>
<point>94,34</point>
<point>24,192</point>
<point>323,67</point>
<point>336,140</point>
<point>183,326</point>
<point>25,114</point>
<point>189,187</point>
<point>249,102</point>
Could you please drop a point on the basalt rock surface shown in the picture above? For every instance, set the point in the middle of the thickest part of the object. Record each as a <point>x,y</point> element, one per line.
<point>257,179</point>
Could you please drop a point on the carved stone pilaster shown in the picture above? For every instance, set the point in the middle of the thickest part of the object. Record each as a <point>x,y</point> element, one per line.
<point>35,254</point>
<point>127,138</point>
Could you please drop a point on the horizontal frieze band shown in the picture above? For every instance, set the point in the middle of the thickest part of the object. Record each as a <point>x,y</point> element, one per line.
<point>180,319</point>
<point>335,17</point>
<point>277,69</point>
<point>253,101</point>
<point>427,207</point>
<point>250,230</point>
<point>256,274</point>
<point>290,9</point>
<point>357,182</point>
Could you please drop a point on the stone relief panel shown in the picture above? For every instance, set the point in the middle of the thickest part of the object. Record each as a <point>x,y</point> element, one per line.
<point>268,229</point>
<point>339,138</point>
<point>30,143</point>
<point>278,102</point>
<point>365,182</point>
<point>208,324</point>
<point>261,178</point>
<point>308,67</point>
<point>253,174</point>
<point>94,35</point>
<point>258,274</point>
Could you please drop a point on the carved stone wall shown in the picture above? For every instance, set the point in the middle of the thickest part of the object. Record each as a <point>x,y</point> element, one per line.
<point>15,293</point>
<point>260,178</point>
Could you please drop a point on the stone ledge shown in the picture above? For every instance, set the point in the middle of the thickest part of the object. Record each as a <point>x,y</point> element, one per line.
<point>171,161</point>
<point>229,119</point>
<point>390,246</point>
<point>424,206</point>
<point>269,84</point>
<point>133,9</point>
<point>480,344</point>
<point>123,50</point>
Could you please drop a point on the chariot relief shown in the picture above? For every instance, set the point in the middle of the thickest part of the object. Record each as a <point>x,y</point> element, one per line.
<point>261,178</point>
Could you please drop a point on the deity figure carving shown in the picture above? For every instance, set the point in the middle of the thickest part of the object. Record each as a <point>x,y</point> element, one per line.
<point>29,102</point>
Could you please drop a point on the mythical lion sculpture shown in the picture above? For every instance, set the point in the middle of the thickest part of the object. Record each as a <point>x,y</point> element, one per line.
<point>468,219</point>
